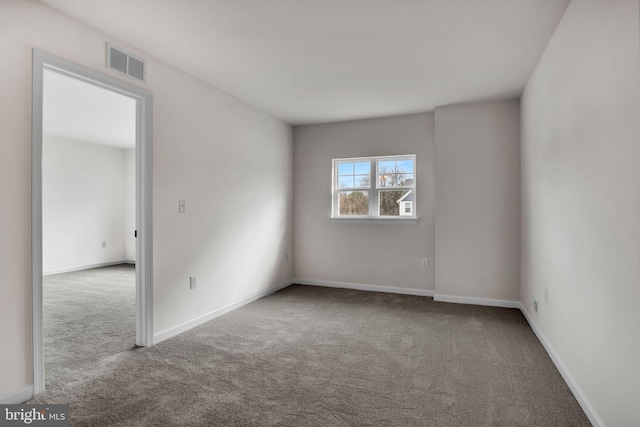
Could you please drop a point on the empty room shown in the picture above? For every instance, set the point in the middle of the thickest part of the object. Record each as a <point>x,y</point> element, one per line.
<point>88,226</point>
<point>344,212</point>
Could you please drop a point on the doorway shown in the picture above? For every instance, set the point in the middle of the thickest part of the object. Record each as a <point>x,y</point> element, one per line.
<point>141,100</point>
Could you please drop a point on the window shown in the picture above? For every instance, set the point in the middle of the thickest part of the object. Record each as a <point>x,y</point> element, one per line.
<point>374,187</point>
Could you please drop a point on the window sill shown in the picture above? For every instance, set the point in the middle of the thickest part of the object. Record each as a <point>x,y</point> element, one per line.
<point>376,220</point>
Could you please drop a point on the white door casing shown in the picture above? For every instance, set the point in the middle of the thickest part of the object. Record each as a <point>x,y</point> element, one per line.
<point>144,162</point>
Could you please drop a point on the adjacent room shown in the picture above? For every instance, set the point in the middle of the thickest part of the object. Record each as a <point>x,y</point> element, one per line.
<point>354,212</point>
<point>88,222</point>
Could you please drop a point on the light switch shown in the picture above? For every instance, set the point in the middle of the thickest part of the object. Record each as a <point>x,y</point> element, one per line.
<point>181,206</point>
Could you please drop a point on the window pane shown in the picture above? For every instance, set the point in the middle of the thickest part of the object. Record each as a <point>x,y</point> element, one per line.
<point>345,181</point>
<point>389,205</point>
<point>363,168</point>
<point>384,180</point>
<point>391,180</point>
<point>363,181</point>
<point>395,180</point>
<point>392,173</point>
<point>348,178</point>
<point>345,169</point>
<point>386,166</point>
<point>405,166</point>
<point>353,202</point>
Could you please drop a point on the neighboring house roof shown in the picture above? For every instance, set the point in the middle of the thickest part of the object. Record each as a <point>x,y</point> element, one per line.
<point>407,197</point>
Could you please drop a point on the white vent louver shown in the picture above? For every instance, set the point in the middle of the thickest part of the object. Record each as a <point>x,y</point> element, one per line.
<point>125,63</point>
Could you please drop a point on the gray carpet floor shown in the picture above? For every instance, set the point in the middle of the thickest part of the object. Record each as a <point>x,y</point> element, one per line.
<point>89,316</point>
<point>309,356</point>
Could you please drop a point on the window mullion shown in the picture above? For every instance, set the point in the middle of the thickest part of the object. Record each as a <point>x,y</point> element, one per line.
<point>373,192</point>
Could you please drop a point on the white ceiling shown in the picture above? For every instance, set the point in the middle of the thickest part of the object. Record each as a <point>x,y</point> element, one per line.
<point>313,61</point>
<point>80,111</point>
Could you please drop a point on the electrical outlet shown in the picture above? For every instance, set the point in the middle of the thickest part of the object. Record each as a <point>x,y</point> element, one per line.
<point>192,282</point>
<point>425,262</point>
<point>104,244</point>
<point>182,206</point>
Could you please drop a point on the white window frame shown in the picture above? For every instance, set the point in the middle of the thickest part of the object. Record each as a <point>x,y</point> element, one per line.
<point>374,191</point>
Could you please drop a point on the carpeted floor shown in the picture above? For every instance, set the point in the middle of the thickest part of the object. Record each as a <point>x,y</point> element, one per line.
<point>89,316</point>
<point>309,356</point>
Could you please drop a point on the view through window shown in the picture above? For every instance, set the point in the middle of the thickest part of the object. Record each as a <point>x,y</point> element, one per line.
<point>374,187</point>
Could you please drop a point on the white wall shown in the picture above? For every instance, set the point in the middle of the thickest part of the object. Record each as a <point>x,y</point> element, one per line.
<point>129,205</point>
<point>371,254</point>
<point>477,225</point>
<point>581,202</point>
<point>216,152</point>
<point>82,204</point>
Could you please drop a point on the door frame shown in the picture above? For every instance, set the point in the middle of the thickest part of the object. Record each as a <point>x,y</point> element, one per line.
<point>144,180</point>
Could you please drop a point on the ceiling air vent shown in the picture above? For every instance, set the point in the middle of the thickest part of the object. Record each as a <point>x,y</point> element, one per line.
<point>125,63</point>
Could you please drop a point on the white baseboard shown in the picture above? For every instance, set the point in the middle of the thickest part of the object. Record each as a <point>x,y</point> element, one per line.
<point>364,287</point>
<point>161,336</point>
<point>566,374</point>
<point>87,267</point>
<point>26,393</point>
<point>477,301</point>
<point>18,396</point>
